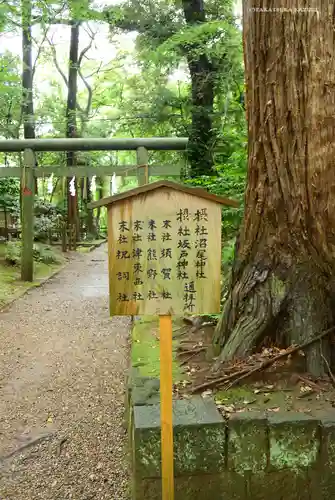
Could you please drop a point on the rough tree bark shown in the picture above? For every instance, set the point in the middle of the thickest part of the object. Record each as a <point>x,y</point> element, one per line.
<point>282,281</point>
<point>202,76</point>
<point>71,122</point>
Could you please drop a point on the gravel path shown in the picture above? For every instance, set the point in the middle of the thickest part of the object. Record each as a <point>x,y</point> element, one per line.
<point>62,367</point>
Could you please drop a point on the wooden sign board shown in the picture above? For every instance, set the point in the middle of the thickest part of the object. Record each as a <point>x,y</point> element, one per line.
<point>164,245</point>
<point>165,254</point>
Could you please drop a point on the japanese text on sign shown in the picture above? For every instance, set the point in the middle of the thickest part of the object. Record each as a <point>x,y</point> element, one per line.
<point>164,255</point>
<point>157,252</point>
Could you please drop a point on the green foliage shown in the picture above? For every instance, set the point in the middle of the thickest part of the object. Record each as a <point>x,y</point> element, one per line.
<point>228,253</point>
<point>230,183</point>
<point>10,96</point>
<point>10,186</point>
<point>42,253</point>
<point>47,219</point>
<point>10,196</point>
<point>45,254</point>
<point>138,93</point>
<point>13,253</point>
<point>217,39</point>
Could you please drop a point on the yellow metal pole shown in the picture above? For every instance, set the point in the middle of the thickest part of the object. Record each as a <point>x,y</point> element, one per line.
<point>165,335</point>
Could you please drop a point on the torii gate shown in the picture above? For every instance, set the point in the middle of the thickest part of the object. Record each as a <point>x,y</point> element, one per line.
<point>28,173</point>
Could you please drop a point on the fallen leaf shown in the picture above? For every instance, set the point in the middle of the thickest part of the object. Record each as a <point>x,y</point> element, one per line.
<point>229,408</point>
<point>305,388</point>
<point>274,409</point>
<point>207,393</point>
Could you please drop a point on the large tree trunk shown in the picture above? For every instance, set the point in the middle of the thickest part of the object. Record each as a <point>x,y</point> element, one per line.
<point>202,81</point>
<point>282,280</point>
<point>71,122</point>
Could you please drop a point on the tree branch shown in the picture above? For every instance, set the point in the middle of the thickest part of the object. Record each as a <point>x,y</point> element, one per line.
<point>89,91</point>
<point>92,35</point>
<point>55,60</point>
<point>39,50</point>
<point>60,71</point>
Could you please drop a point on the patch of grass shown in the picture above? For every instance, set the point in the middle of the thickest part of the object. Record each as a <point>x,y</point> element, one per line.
<point>82,249</point>
<point>252,398</point>
<point>235,395</point>
<point>11,286</point>
<point>145,353</point>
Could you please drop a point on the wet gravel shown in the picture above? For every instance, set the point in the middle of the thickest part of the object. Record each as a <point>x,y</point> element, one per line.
<point>63,362</point>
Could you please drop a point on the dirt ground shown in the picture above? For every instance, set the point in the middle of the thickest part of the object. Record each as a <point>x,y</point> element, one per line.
<point>63,362</point>
<point>283,387</point>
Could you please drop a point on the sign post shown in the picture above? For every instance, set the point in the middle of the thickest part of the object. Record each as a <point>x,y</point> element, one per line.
<point>164,245</point>
<point>166,383</point>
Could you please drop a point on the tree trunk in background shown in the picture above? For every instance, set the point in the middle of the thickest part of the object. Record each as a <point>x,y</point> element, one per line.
<point>100,191</point>
<point>27,75</point>
<point>282,282</point>
<point>71,122</point>
<point>90,219</point>
<point>202,81</point>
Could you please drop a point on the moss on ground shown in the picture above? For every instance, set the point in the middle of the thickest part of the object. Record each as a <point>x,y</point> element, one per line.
<point>145,348</point>
<point>253,398</point>
<point>11,286</point>
<point>89,246</point>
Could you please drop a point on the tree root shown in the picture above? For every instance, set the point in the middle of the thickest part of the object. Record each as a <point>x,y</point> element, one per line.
<point>247,372</point>
<point>289,305</point>
<point>331,375</point>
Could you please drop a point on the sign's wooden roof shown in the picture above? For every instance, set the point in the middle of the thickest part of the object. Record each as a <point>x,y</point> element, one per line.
<point>147,188</point>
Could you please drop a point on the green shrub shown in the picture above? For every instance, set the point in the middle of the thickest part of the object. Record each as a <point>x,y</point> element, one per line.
<point>47,219</point>
<point>41,253</point>
<point>46,255</point>
<point>228,254</point>
<point>13,253</point>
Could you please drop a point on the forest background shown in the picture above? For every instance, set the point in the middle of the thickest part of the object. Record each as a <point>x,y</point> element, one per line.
<point>123,69</point>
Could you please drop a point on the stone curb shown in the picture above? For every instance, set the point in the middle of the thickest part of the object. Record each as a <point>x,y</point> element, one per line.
<point>250,456</point>
<point>94,246</point>
<point>97,245</point>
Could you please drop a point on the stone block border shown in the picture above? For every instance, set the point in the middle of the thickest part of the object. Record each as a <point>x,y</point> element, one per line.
<point>252,456</point>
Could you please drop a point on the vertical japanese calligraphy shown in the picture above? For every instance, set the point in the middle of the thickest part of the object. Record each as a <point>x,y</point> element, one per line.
<point>165,255</point>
